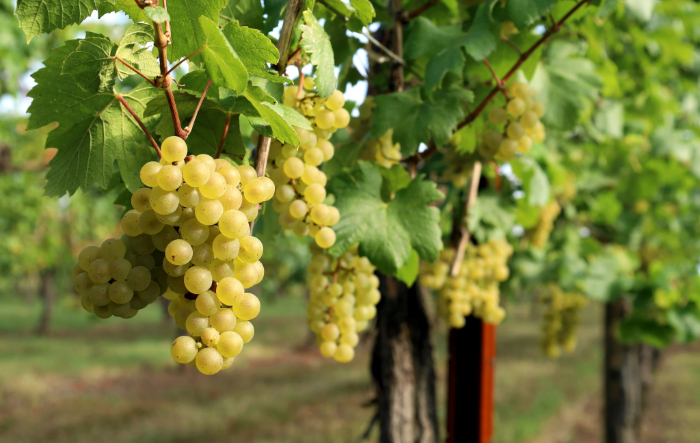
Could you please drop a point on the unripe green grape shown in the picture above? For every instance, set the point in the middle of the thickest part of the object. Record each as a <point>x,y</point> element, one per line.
<point>328,348</point>
<point>198,279</point>
<point>493,139</point>
<point>524,144</point>
<point>516,107</point>
<point>149,174</point>
<point>245,273</point>
<point>164,237</point>
<point>325,119</point>
<point>344,353</point>
<point>507,149</point>
<point>210,337</point>
<point>313,156</point>
<point>87,304</point>
<point>196,173</point>
<point>189,196</point>
<point>99,294</point>
<point>112,249</point>
<point>315,194</point>
<point>181,315</point>
<point>335,101</point>
<point>285,193</point>
<point>149,223</point>
<point>150,294</point>
<point>174,305</point>
<point>529,119</point>
<point>99,271</point>
<point>300,229</point>
<point>171,219</point>
<point>247,173</point>
<point>139,278</point>
<point>102,312</point>
<point>207,303</point>
<point>250,210</point>
<point>231,175</point>
<point>119,310</point>
<point>342,118</point>
<point>147,261</point>
<point>251,249</point>
<point>173,149</point>
<point>119,269</point>
<point>286,221</point>
<point>119,292</point>
<point>130,223</point>
<point>230,344</point>
<point>225,248</point>
<point>209,211</point>
<point>293,167</point>
<point>164,202</point>
<point>309,83</point>
<point>220,270</point>
<point>87,256</point>
<point>196,323</point>
<point>223,321</point>
<point>178,252</point>
<point>203,255</point>
<point>141,199</point>
<point>245,329</point>
<point>538,108</point>
<point>232,198</point>
<point>142,244</point>
<point>194,232</point>
<point>76,271</point>
<point>214,187</point>
<point>209,361</point>
<point>498,116</point>
<point>246,307</point>
<point>351,339</point>
<point>184,349</point>
<point>169,178</point>
<point>515,130</point>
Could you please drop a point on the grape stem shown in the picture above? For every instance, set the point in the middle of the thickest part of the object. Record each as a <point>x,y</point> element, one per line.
<point>174,67</point>
<point>223,136</point>
<point>135,70</point>
<point>499,82</point>
<point>507,41</point>
<point>189,127</point>
<point>464,231</point>
<point>138,120</point>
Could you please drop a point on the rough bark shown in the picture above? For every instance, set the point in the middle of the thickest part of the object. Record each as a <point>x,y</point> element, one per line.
<point>402,366</point>
<point>48,297</point>
<point>629,370</point>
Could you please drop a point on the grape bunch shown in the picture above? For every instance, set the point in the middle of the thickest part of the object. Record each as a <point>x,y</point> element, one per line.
<point>475,290</point>
<point>115,279</point>
<point>344,294</point>
<point>560,321</point>
<point>520,125</point>
<point>301,191</point>
<point>383,150</point>
<point>458,167</point>
<point>540,233</point>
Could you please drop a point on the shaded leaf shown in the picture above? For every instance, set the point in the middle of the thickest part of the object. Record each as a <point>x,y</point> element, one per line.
<point>315,42</point>
<point>220,61</point>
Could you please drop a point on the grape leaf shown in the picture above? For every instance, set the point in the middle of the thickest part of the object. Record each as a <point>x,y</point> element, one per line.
<point>195,82</point>
<point>43,16</point>
<point>188,35</point>
<point>343,8</point>
<point>417,121</point>
<point>448,60</point>
<point>364,10</point>
<point>534,180</point>
<point>273,8</point>
<point>479,42</point>
<point>278,127</point>
<point>139,33</point>
<point>387,231</point>
<point>426,38</point>
<point>92,64</point>
<point>408,273</point>
<point>129,7</point>
<point>94,129</point>
<point>254,49</point>
<point>247,12</point>
<point>315,42</point>
<point>525,12</point>
<point>157,14</point>
<point>220,60</point>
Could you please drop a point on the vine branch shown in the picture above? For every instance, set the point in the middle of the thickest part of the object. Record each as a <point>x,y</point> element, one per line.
<point>138,120</point>
<point>189,127</point>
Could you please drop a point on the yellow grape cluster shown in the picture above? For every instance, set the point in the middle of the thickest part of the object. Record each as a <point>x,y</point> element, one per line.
<point>383,150</point>
<point>344,293</point>
<point>196,211</point>
<point>561,320</point>
<point>115,279</point>
<point>520,123</point>
<point>301,185</point>
<point>540,233</point>
<point>475,290</point>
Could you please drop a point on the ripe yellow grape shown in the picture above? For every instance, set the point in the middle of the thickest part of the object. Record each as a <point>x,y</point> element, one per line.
<point>310,141</point>
<point>315,194</point>
<point>164,202</point>
<point>245,329</point>
<point>214,187</point>
<point>173,149</point>
<point>209,361</point>
<point>140,200</point>
<point>130,224</point>
<point>524,144</point>
<point>207,160</point>
<point>245,273</point>
<point>169,178</point>
<point>251,249</point>
<point>149,174</point>
<point>178,252</point>
<point>189,196</point>
<point>529,119</point>
<point>344,353</point>
<point>234,224</point>
<point>230,174</point>
<point>520,90</point>
<point>320,214</point>
<point>183,349</point>
<point>210,337</point>
<point>232,198</point>
<point>328,348</point>
<point>308,83</point>
<point>196,323</point>
<point>223,321</point>
<point>342,118</point>
<point>198,279</point>
<point>225,248</point>
<point>516,107</point>
<point>325,238</point>
<point>538,108</point>
<point>293,167</point>
<point>220,270</point>
<point>515,130</point>
<point>149,223</point>
<point>247,173</point>
<point>230,344</point>
<point>196,173</point>
<point>298,209</point>
<point>228,290</point>
<point>325,119</point>
<point>209,211</point>
<point>258,190</point>
<point>327,149</point>
<point>313,156</point>
<point>246,307</point>
<point>250,210</point>
<point>335,101</point>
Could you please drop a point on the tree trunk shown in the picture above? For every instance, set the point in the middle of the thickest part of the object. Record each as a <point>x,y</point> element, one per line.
<point>402,366</point>
<point>629,372</point>
<point>48,296</point>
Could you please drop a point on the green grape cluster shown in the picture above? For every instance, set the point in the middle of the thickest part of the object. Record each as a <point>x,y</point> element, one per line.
<point>343,298</point>
<point>475,290</point>
<point>560,320</point>
<point>540,233</point>
<point>520,125</point>
<point>383,150</point>
<point>301,198</point>
<point>458,168</point>
<point>118,278</point>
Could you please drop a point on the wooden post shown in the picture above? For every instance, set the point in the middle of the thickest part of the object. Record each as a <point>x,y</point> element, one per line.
<point>471,382</point>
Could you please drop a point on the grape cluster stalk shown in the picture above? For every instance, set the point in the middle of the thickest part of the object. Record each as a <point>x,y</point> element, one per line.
<point>475,290</point>
<point>192,218</point>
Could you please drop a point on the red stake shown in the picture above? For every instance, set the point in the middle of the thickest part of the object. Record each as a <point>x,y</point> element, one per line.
<point>488,357</point>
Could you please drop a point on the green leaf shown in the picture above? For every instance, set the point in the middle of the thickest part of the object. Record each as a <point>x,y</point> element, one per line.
<point>188,35</point>
<point>409,271</point>
<point>247,12</point>
<point>426,38</point>
<point>364,10</point>
<point>686,323</point>
<point>394,179</point>
<point>129,7</point>
<point>343,160</point>
<point>157,14</point>
<point>195,82</point>
<point>92,64</point>
<point>139,33</point>
<point>523,13</point>
<point>479,41</point>
<point>133,51</point>
<point>255,50</point>
<point>220,60</point>
<point>272,9</point>
<point>278,127</point>
<point>291,116</point>
<point>488,219</point>
<point>386,232</point>
<point>416,120</point>
<point>639,329</point>
<point>93,129</point>
<point>315,42</point>
<point>43,16</point>
<point>448,60</point>
<point>344,9</point>
<point>535,182</point>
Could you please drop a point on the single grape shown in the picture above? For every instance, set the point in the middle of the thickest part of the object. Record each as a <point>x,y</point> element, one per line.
<point>298,209</point>
<point>178,252</point>
<point>207,303</point>
<point>207,160</point>
<point>139,278</point>
<point>169,178</point>
<point>220,270</point>
<point>538,108</point>
<point>515,130</point>
<point>315,194</point>
<point>120,292</point>
<point>246,307</point>
<point>260,269</point>
<point>198,279</point>
<point>99,271</point>
<point>203,255</point>
<point>498,116</point>
<point>309,83</point>
<point>516,107</point>
<point>228,290</point>
<point>247,173</point>
<point>301,229</point>
<point>171,219</point>
<point>209,361</point>
<point>507,149</point>
<point>183,349</point>
<point>143,244</point>
<point>330,332</point>
<point>141,199</point>
<point>194,232</point>
<point>214,187</point>
<point>344,353</point>
<point>325,119</point>
<point>149,223</point>
<point>196,173</point>
<point>524,144</point>
<point>149,174</point>
<point>99,294</point>
<point>189,196</point>
<point>342,118</point>
<point>209,211</point>
<point>210,337</point>
<point>173,149</point>
<point>130,223</point>
<point>351,339</point>
<point>259,190</point>
<point>327,149</point>
<point>232,198</point>
<point>164,202</point>
<point>151,293</point>
<point>120,310</point>
<point>226,248</point>
<point>230,344</point>
<point>245,273</point>
<point>231,174</point>
<point>196,323</point>
<point>164,237</point>
<point>245,329</point>
<point>285,193</point>
<point>335,101</point>
<point>223,321</point>
<point>251,249</point>
<point>293,167</point>
<point>328,348</point>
